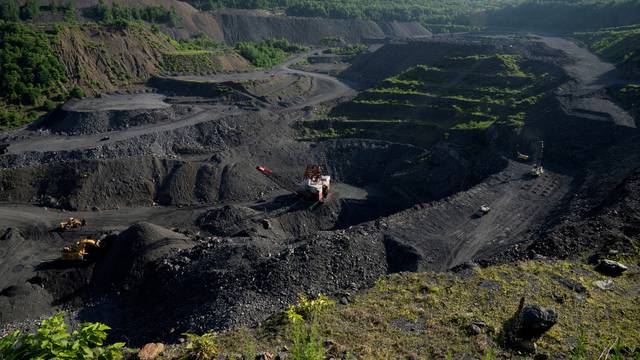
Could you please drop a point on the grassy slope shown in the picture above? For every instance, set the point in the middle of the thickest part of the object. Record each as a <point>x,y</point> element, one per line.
<point>428,315</point>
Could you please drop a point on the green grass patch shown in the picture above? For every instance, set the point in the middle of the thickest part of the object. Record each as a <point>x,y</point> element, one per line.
<point>347,50</point>
<point>267,53</point>
<point>474,125</point>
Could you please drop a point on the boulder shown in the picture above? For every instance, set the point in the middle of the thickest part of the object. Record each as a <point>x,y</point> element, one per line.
<point>603,284</point>
<point>534,320</point>
<point>528,324</point>
<point>151,351</point>
<point>611,268</point>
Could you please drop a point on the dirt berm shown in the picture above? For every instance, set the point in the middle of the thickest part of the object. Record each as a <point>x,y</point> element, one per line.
<point>116,112</point>
<point>251,26</point>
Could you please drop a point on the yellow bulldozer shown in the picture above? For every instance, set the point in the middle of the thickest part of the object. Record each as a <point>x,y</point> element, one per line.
<point>72,223</point>
<point>81,250</point>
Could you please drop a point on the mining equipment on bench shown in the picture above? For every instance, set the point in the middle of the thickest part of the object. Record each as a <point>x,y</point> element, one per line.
<point>314,186</point>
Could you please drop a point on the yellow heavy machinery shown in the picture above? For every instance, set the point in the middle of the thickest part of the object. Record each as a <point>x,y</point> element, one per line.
<point>523,157</point>
<point>82,249</point>
<point>72,223</point>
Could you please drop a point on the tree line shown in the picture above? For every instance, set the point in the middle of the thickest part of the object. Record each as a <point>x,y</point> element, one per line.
<point>536,14</point>
<point>156,14</point>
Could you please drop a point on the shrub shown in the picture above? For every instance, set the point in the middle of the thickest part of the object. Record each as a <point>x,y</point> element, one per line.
<point>9,10</point>
<point>76,92</point>
<point>28,66</point>
<point>49,105</point>
<point>203,347</point>
<point>267,53</point>
<point>306,341</point>
<point>304,331</point>
<point>53,341</point>
<point>29,10</point>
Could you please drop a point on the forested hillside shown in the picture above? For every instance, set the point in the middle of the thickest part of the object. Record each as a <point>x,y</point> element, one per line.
<point>457,14</point>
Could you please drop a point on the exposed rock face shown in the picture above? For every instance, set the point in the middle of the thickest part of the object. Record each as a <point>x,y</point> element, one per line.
<point>252,26</point>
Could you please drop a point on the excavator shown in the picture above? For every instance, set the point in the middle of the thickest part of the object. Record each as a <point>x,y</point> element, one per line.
<point>82,250</point>
<point>537,170</point>
<point>315,186</point>
<point>72,223</point>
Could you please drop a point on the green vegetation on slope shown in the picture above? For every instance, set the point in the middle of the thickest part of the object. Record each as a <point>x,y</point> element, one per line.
<point>194,55</point>
<point>628,96</point>
<point>426,101</point>
<point>348,50</point>
<point>457,15</point>
<point>30,73</point>
<point>426,11</point>
<point>620,45</point>
<point>156,14</point>
<point>267,53</point>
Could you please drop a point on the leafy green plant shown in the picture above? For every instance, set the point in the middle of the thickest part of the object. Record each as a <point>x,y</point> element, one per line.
<point>201,347</point>
<point>487,355</point>
<point>308,309</point>
<point>304,331</point>
<point>579,351</point>
<point>52,340</point>
<point>249,350</point>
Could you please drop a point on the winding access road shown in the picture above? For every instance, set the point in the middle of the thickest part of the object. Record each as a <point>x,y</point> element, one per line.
<point>25,140</point>
<point>591,75</point>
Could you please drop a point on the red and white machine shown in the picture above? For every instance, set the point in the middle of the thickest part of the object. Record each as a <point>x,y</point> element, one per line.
<point>314,185</point>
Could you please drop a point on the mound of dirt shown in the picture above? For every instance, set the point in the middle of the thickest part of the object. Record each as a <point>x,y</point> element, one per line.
<point>19,299</point>
<point>116,183</point>
<point>109,112</point>
<point>131,252</point>
<point>223,221</point>
<point>391,59</point>
<point>251,26</point>
<point>241,281</point>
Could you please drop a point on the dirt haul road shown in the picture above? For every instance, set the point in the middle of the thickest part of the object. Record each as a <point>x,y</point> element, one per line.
<point>330,88</point>
<point>591,75</point>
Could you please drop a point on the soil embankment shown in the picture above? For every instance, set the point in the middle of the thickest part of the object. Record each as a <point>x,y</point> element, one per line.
<point>250,26</point>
